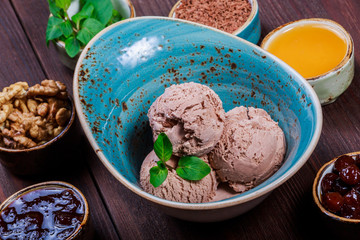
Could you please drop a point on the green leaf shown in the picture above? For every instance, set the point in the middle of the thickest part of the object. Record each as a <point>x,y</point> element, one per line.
<point>66,28</point>
<point>64,4</point>
<point>102,10</point>
<point>192,168</point>
<point>62,38</point>
<point>72,46</point>
<point>85,12</point>
<point>116,17</point>
<point>158,175</point>
<point>163,147</point>
<point>53,30</point>
<point>161,165</point>
<point>89,29</point>
<point>54,10</point>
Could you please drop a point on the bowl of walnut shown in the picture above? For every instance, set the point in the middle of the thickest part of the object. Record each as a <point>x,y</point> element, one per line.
<point>34,122</point>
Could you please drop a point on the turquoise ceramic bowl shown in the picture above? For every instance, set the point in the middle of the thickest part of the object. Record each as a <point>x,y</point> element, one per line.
<point>251,30</point>
<point>128,65</point>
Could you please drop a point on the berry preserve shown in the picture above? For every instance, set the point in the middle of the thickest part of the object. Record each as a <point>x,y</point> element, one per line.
<point>47,213</point>
<point>340,189</point>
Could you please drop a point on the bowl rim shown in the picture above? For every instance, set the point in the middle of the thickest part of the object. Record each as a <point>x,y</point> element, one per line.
<point>51,141</point>
<point>47,184</point>
<point>254,11</point>
<point>322,21</point>
<point>209,205</point>
<point>316,192</point>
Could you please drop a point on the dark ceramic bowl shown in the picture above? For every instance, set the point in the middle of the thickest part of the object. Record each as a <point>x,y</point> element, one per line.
<point>83,230</point>
<point>43,157</point>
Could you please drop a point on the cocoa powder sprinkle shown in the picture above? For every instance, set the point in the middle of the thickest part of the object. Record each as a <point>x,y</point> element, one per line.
<point>226,15</point>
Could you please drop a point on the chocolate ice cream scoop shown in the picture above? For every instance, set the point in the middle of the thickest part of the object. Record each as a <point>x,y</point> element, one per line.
<point>174,188</point>
<point>192,117</point>
<point>250,150</point>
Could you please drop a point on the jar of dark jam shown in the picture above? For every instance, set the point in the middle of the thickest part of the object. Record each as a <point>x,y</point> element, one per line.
<point>47,211</point>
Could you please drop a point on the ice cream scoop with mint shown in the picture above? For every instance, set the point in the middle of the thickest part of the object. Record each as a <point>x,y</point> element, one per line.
<point>175,188</point>
<point>243,147</point>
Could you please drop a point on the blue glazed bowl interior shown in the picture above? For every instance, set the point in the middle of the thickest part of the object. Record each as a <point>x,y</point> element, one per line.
<point>127,66</point>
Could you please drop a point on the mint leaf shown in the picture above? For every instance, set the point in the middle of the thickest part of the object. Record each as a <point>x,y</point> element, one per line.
<point>62,38</point>
<point>54,10</point>
<point>116,17</point>
<point>66,28</point>
<point>64,4</point>
<point>85,12</point>
<point>89,29</point>
<point>158,175</point>
<point>192,168</point>
<point>102,10</point>
<point>53,29</point>
<point>72,46</point>
<point>161,164</point>
<point>163,147</point>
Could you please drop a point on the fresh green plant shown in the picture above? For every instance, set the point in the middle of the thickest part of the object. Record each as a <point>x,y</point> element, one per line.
<point>189,167</point>
<point>77,31</point>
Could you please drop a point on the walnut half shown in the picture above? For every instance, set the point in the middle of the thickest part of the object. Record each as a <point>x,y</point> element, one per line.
<point>48,88</point>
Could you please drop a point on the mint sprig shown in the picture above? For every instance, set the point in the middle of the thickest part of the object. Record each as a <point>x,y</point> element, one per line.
<point>189,167</point>
<point>77,31</point>
<point>163,150</point>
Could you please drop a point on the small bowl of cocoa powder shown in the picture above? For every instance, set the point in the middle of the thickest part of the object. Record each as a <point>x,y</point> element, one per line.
<point>238,17</point>
<point>34,126</point>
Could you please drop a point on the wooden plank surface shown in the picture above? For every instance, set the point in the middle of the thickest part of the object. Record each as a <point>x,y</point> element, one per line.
<point>21,63</point>
<point>288,213</point>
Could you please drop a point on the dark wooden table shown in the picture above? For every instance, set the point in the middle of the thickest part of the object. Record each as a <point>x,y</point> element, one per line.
<point>117,213</point>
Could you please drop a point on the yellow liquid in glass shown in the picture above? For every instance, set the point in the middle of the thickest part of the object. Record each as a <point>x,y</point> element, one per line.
<point>311,49</point>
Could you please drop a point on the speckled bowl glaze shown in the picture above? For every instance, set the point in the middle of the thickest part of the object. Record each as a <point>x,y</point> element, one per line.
<point>251,30</point>
<point>328,168</point>
<point>330,85</point>
<point>124,7</point>
<point>127,66</point>
<point>84,231</point>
